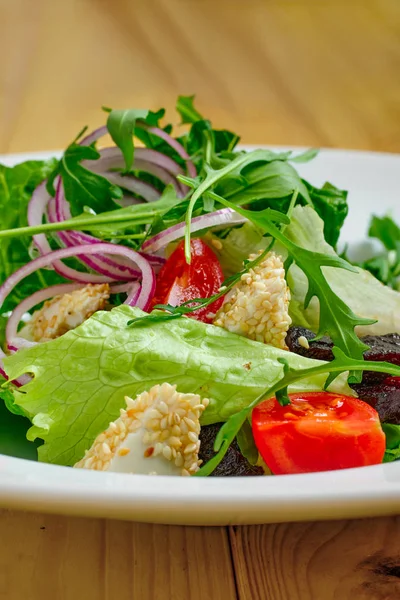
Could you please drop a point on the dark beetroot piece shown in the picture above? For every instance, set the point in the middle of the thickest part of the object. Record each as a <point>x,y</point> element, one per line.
<point>379,390</point>
<point>384,396</point>
<point>233,463</point>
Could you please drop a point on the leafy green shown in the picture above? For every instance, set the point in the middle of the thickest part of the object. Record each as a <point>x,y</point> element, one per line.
<point>83,187</point>
<point>331,205</point>
<point>8,398</point>
<point>121,126</point>
<point>231,428</point>
<point>13,431</point>
<point>305,156</point>
<point>80,379</point>
<point>212,176</point>
<point>392,433</point>
<point>269,184</point>
<point>247,445</point>
<point>184,106</point>
<point>364,294</point>
<point>385,266</point>
<point>385,230</point>
<point>16,188</point>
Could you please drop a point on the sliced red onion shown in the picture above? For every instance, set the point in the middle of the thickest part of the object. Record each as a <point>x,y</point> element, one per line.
<point>58,211</point>
<point>133,294</point>
<point>179,149</point>
<point>147,273</point>
<point>14,341</point>
<point>36,210</point>
<point>147,191</point>
<point>141,154</point>
<point>224,216</point>
<point>94,136</point>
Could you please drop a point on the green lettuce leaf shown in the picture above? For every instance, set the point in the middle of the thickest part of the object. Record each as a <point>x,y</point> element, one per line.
<point>80,379</point>
<point>361,291</point>
<point>16,187</point>
<point>392,433</point>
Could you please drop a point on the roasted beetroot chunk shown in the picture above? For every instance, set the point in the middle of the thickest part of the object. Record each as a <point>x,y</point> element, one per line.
<point>379,390</point>
<point>233,463</point>
<point>384,397</point>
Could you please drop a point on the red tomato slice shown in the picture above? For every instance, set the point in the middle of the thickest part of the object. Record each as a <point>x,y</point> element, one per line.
<point>179,282</point>
<point>318,431</point>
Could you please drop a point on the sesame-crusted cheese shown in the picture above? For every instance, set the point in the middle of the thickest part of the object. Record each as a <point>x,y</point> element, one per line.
<point>62,313</point>
<point>257,307</point>
<point>157,433</point>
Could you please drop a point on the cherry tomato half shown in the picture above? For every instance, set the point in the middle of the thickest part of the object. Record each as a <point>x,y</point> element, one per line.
<point>179,282</point>
<point>318,431</point>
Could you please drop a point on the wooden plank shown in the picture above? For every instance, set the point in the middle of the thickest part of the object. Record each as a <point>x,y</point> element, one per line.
<point>44,557</point>
<point>278,72</point>
<point>343,560</point>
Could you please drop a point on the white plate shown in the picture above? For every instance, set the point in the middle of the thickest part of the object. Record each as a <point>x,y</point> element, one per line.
<point>373,181</point>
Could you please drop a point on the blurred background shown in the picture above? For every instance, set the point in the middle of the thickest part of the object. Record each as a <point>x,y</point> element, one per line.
<point>302,72</point>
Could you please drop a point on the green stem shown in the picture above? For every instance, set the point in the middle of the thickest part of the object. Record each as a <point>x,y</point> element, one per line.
<point>78,224</point>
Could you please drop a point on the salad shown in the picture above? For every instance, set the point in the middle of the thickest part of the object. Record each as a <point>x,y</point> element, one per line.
<point>172,305</point>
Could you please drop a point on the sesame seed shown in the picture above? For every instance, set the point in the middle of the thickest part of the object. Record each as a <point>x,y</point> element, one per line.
<point>303,341</point>
<point>192,436</point>
<point>167,452</point>
<point>189,449</point>
<point>124,451</point>
<point>106,448</point>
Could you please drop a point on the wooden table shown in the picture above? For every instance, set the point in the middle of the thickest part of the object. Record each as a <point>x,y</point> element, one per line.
<point>283,72</point>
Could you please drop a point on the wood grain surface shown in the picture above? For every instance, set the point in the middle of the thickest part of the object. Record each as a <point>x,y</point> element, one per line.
<point>308,72</point>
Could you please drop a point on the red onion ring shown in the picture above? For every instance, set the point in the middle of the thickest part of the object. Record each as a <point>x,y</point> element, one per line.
<point>59,211</point>
<point>14,341</point>
<point>94,136</point>
<point>145,159</point>
<point>36,210</point>
<point>219,217</point>
<point>148,277</point>
<point>147,191</point>
<point>179,149</point>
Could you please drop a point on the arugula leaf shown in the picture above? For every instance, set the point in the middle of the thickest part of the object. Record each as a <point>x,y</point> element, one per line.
<point>340,364</point>
<point>331,205</point>
<point>121,126</point>
<point>246,443</point>
<point>71,401</point>
<point>213,176</point>
<point>385,230</point>
<point>268,184</point>
<point>16,187</point>
<point>13,440</point>
<point>386,265</point>
<point>186,110</point>
<point>83,187</point>
<point>305,156</point>
<point>392,433</point>
<point>221,139</point>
